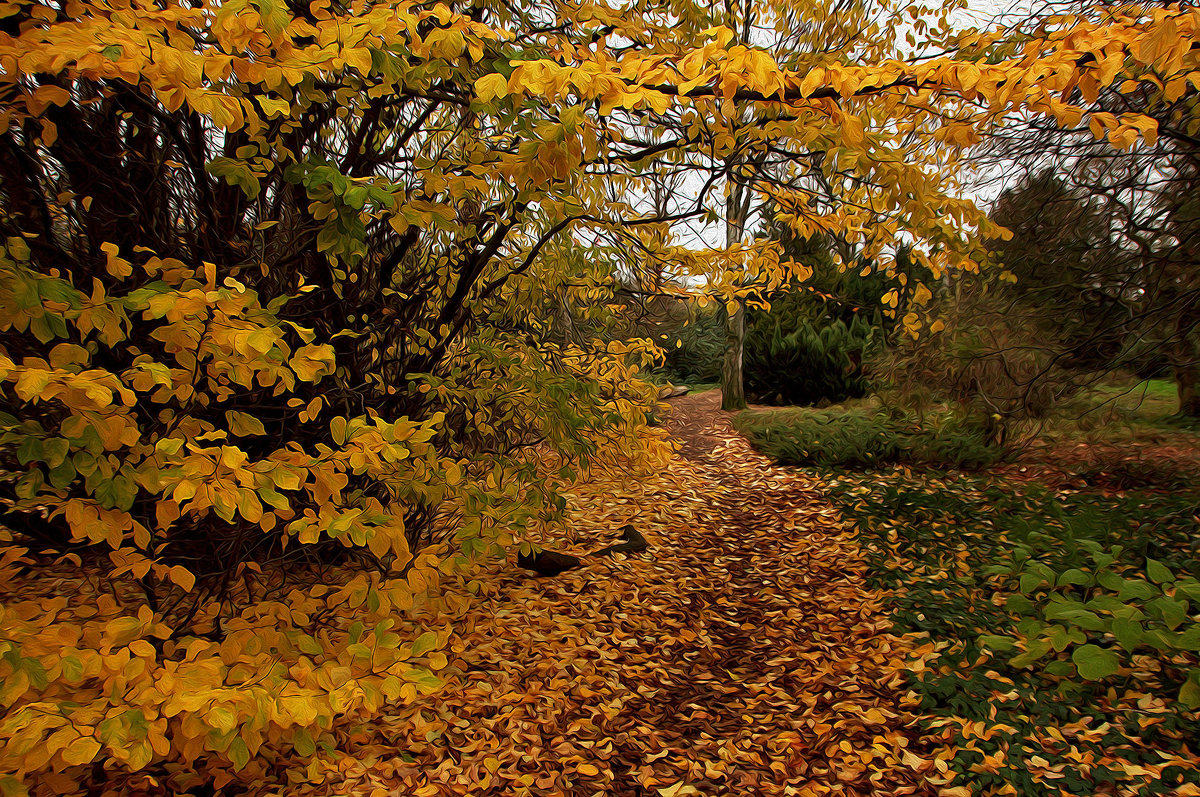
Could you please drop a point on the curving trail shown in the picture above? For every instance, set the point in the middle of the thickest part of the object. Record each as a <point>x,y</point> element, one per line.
<point>743,655</point>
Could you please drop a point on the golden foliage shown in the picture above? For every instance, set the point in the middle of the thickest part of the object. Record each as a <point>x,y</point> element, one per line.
<point>326,331</point>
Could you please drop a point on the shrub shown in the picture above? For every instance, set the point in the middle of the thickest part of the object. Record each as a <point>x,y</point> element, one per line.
<point>863,438</point>
<point>835,438</point>
<point>138,442</point>
<point>259,390</point>
<point>989,363</point>
<point>954,442</point>
<point>793,359</point>
<point>952,553</point>
<point>697,358</point>
<point>1100,614</point>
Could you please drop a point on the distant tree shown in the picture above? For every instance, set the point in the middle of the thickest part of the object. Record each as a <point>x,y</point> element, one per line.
<point>814,341</point>
<point>1142,182</point>
<point>1072,279</point>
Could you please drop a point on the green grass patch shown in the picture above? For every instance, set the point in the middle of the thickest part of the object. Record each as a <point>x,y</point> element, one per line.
<point>1062,626</point>
<point>1126,412</point>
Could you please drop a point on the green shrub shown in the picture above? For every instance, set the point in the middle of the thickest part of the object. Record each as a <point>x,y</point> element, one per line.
<point>954,442</point>
<point>797,354</point>
<point>855,438</point>
<point>864,438</point>
<point>697,357</point>
<point>1100,614</point>
<point>951,553</point>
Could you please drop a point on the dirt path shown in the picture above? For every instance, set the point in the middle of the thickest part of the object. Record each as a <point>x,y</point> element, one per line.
<point>744,656</point>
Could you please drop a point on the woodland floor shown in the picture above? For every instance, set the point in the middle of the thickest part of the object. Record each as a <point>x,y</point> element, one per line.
<point>742,654</point>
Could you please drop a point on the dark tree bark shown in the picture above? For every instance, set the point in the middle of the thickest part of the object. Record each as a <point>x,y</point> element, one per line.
<point>733,394</point>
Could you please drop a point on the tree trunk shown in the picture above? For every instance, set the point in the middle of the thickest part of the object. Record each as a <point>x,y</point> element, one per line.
<point>733,395</point>
<point>1186,362</point>
<point>1187,383</point>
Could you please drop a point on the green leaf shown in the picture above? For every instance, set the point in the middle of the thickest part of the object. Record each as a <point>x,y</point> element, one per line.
<point>1095,663</point>
<point>1189,693</point>
<point>235,173</point>
<point>1189,587</point>
<point>1060,669</point>
<point>1190,639</point>
<point>1018,604</point>
<point>1128,633</point>
<point>303,742</point>
<point>62,475</point>
<point>72,670</point>
<point>1110,604</point>
<point>1136,589</point>
<point>1074,576</point>
<point>1037,648</point>
<point>309,645</point>
<point>425,681</point>
<point>1074,613</point>
<point>1061,637</point>
<point>1173,612</point>
<point>1158,572</point>
<point>424,643</point>
<point>999,644</point>
<point>238,753</point>
<point>1030,582</point>
<point>29,450</point>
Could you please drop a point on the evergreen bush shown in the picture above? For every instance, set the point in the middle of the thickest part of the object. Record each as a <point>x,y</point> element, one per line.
<point>793,359</point>
<point>865,438</point>
<point>701,345</point>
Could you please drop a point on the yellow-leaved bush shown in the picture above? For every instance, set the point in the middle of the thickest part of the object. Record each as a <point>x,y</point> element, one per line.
<point>160,465</point>
<point>273,363</point>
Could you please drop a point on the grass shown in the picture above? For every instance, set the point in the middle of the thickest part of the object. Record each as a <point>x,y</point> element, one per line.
<point>1125,411</point>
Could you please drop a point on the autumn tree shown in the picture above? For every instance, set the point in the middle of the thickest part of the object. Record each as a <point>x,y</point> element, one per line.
<point>277,317</point>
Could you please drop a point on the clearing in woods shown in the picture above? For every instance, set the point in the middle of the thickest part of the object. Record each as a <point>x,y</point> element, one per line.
<point>741,655</point>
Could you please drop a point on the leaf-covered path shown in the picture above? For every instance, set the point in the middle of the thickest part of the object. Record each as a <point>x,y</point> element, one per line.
<point>742,655</point>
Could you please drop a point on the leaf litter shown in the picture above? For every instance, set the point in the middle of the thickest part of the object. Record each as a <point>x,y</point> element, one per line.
<point>742,654</point>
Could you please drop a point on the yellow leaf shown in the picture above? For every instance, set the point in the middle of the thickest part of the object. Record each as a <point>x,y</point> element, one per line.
<point>313,362</point>
<point>359,58</point>
<point>183,577</point>
<point>115,265</point>
<point>81,751</point>
<point>812,81</point>
<point>678,790</point>
<point>491,86</point>
<point>44,96</point>
<point>243,425</point>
